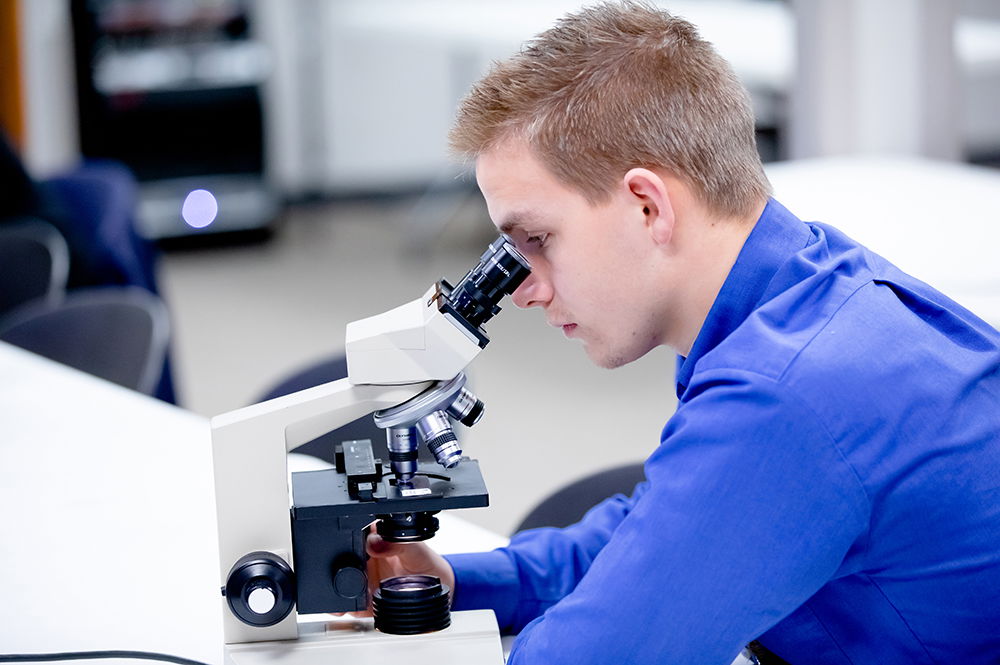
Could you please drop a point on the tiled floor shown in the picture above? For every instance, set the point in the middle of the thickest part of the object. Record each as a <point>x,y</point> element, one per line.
<point>246,316</point>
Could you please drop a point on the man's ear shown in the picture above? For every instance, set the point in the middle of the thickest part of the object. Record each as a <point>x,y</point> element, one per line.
<point>648,192</point>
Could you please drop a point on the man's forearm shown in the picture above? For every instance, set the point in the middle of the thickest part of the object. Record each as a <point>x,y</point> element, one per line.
<point>537,569</point>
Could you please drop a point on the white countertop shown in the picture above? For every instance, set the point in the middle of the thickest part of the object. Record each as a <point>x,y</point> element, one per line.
<point>108,521</point>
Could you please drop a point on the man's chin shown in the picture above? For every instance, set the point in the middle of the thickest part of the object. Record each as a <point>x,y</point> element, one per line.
<point>610,358</point>
<point>603,359</point>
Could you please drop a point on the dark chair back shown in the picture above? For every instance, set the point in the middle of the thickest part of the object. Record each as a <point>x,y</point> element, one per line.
<point>569,504</point>
<point>119,334</point>
<point>34,263</point>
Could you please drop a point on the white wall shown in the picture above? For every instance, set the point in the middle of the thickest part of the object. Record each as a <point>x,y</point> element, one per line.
<point>875,77</point>
<point>899,76</point>
<point>361,94</point>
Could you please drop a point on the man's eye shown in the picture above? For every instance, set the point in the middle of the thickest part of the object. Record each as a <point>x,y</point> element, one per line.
<point>537,240</point>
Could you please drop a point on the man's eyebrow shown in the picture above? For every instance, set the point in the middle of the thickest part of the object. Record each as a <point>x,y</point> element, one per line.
<point>514,221</point>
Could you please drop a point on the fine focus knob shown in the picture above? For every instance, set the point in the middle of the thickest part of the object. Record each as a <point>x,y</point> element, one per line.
<point>350,582</point>
<point>260,589</point>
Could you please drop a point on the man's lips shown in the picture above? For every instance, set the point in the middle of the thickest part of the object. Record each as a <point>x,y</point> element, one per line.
<point>567,328</point>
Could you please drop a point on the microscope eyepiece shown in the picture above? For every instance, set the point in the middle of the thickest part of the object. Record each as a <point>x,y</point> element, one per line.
<point>501,269</point>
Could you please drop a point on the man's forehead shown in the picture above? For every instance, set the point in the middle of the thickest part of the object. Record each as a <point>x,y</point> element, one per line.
<point>508,163</point>
<point>517,188</point>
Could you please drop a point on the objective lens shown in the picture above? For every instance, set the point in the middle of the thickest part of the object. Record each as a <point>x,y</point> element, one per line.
<point>435,428</point>
<point>402,445</point>
<point>467,408</point>
<point>500,271</point>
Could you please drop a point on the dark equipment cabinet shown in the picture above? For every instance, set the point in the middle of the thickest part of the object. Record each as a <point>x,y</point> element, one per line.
<point>172,88</point>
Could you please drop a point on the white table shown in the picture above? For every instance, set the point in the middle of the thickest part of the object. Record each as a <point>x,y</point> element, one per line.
<point>937,221</point>
<point>107,518</point>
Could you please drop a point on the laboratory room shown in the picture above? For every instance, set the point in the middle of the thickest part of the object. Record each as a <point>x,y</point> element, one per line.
<point>479,332</point>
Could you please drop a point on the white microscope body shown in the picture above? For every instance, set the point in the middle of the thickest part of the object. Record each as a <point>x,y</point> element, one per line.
<point>405,353</point>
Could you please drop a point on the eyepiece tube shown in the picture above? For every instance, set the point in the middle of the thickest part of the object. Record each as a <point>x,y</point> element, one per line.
<point>501,269</point>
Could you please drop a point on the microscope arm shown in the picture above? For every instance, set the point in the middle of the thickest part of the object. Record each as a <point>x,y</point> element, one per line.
<point>249,447</point>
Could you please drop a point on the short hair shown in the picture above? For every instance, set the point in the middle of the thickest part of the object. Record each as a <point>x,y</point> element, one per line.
<point>616,86</point>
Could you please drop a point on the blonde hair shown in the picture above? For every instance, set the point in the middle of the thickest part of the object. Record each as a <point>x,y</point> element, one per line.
<point>617,86</point>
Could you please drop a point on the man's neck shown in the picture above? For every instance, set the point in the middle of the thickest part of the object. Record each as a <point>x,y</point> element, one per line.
<point>711,246</point>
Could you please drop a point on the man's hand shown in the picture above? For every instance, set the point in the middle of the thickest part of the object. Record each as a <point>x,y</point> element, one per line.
<point>394,559</point>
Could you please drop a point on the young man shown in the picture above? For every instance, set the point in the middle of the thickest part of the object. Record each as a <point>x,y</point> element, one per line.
<point>830,481</point>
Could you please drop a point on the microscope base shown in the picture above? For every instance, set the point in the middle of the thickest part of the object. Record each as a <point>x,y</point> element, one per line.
<point>472,637</point>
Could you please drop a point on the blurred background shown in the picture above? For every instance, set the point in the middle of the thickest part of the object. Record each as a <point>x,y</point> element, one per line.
<point>285,172</point>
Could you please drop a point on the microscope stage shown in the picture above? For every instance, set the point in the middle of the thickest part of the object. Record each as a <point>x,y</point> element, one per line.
<point>325,494</point>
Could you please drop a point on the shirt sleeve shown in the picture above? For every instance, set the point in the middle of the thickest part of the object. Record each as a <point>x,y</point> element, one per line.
<point>750,508</point>
<point>538,568</point>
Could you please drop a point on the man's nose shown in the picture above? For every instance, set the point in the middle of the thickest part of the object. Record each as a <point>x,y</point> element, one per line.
<point>534,291</point>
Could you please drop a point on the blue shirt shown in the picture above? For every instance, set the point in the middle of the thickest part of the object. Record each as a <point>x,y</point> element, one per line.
<point>829,484</point>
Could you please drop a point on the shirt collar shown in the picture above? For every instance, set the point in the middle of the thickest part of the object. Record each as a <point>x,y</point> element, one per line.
<point>776,236</point>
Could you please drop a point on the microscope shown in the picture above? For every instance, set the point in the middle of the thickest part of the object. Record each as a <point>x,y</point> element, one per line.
<point>283,554</point>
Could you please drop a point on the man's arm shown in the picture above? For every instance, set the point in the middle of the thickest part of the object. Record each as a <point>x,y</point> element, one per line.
<point>539,567</point>
<point>517,582</point>
<point>749,510</point>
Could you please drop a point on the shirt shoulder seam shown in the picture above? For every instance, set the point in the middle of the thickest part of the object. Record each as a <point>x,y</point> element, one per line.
<point>791,361</point>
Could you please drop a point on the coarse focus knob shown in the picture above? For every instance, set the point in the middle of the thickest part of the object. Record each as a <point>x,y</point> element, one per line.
<point>260,589</point>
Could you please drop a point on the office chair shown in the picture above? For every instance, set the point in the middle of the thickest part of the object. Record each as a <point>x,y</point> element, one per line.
<point>93,206</point>
<point>568,505</point>
<point>34,263</point>
<point>116,333</point>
